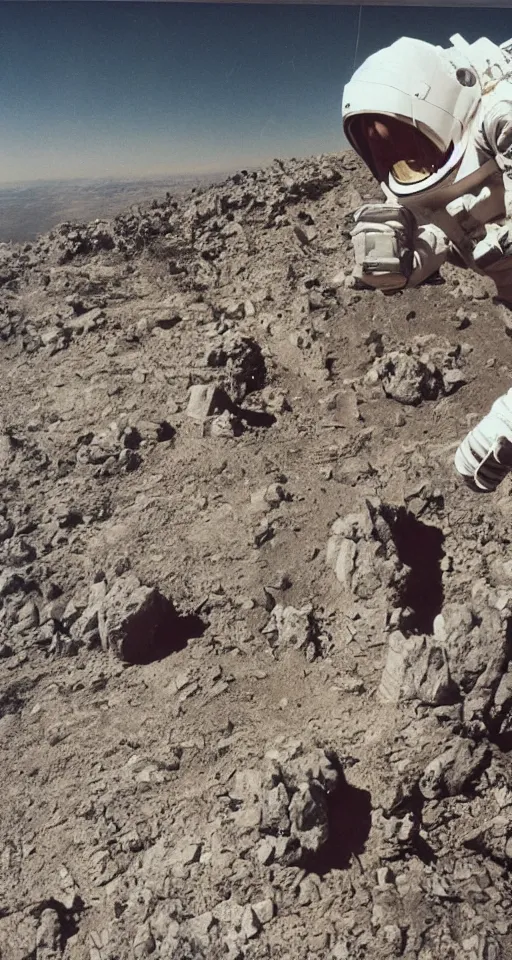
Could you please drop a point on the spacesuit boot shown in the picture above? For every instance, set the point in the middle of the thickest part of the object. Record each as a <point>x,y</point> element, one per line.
<point>484,458</point>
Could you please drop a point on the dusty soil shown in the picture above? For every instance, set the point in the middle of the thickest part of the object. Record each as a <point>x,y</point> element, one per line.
<point>254,635</point>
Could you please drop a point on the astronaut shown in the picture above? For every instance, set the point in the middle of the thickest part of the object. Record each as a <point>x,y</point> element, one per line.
<point>434,127</point>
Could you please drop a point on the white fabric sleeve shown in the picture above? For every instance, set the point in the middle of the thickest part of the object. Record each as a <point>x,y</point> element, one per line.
<point>431,249</point>
<point>494,140</point>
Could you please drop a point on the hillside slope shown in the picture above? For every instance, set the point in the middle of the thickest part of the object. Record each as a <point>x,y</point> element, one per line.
<point>254,636</point>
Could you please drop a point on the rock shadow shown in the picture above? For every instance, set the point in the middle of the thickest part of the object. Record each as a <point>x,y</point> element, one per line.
<point>68,917</point>
<point>171,637</point>
<point>420,547</point>
<point>349,812</point>
<point>253,418</point>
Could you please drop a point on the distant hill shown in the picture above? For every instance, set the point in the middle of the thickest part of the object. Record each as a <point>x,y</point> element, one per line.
<point>32,208</point>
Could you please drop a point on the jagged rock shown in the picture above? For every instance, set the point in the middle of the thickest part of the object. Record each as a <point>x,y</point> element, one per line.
<point>463,660</point>
<point>109,450</point>
<point>289,802</point>
<point>413,375</point>
<point>290,628</point>
<point>84,322</point>
<point>99,448</point>
<point>309,817</point>
<point>500,714</point>
<point>362,553</point>
<point>475,640</point>
<point>245,368</point>
<point>19,552</point>
<point>306,234</point>
<point>407,380</point>
<point>5,448</point>
<point>250,925</point>
<point>267,498</point>
<point>225,425</point>
<point>28,617</point>
<point>264,910</point>
<point>203,402</point>
<point>11,582</point>
<point>132,619</point>
<point>454,770</point>
<point>275,816</point>
<point>416,669</point>
<point>48,940</point>
<point>61,645</point>
<point>400,834</point>
<point>264,533</point>
<point>85,629</point>
<point>6,529</point>
<point>144,942</point>
<point>68,890</point>
<point>492,838</point>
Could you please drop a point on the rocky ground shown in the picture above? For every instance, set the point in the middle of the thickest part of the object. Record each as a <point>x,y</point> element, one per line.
<point>256,643</point>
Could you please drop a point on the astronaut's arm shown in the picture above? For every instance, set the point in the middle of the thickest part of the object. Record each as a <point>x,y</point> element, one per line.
<point>390,251</point>
<point>494,138</point>
<point>431,248</point>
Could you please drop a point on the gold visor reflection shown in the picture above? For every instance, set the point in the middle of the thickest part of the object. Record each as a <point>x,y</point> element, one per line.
<point>404,173</point>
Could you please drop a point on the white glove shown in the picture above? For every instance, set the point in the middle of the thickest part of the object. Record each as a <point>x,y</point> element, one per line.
<point>493,256</point>
<point>461,209</point>
<point>383,245</point>
<point>496,245</point>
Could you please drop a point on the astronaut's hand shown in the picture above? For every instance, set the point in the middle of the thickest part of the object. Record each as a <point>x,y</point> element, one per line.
<point>483,474</point>
<point>505,239</point>
<point>383,245</point>
<point>496,245</point>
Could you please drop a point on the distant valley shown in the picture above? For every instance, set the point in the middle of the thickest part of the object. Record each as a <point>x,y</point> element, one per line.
<point>30,209</point>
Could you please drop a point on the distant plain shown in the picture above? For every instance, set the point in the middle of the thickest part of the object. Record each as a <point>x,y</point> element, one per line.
<point>33,208</point>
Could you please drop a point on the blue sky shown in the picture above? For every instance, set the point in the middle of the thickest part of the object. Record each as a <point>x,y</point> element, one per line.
<point>98,89</point>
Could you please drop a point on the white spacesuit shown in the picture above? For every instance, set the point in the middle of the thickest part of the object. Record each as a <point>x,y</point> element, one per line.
<point>434,126</point>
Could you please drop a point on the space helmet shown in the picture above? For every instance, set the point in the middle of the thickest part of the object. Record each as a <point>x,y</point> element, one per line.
<point>406,112</point>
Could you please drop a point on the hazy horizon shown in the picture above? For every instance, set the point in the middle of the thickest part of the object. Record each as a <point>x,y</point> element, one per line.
<point>31,208</point>
<point>126,90</point>
<point>39,181</point>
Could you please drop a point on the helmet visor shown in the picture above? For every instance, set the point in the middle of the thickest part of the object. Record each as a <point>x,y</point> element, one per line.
<point>389,145</point>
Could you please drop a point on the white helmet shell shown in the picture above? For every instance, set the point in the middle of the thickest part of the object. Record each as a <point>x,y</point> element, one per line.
<point>435,90</point>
